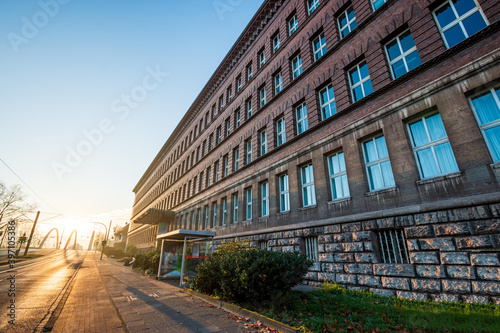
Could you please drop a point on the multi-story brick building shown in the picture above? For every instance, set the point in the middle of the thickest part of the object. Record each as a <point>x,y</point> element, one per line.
<point>364,133</point>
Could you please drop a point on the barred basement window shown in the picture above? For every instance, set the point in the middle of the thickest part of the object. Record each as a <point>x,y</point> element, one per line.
<point>393,248</point>
<point>263,245</point>
<point>311,245</point>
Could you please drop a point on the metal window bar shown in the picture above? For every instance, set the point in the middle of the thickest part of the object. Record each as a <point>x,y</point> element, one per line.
<point>311,244</point>
<point>393,247</point>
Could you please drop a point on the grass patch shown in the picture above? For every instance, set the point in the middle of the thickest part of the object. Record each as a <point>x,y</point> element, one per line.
<point>336,309</point>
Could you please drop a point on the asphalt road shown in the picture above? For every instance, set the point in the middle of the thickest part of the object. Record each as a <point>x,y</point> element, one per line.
<point>35,287</point>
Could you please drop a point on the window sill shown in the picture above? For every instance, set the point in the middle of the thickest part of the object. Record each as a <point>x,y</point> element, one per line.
<point>307,208</point>
<point>285,213</point>
<point>263,219</point>
<point>339,201</point>
<point>440,178</point>
<point>381,191</point>
<point>495,166</point>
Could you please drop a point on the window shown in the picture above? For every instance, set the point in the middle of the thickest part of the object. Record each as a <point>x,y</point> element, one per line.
<point>319,46</point>
<point>197,153</point>
<point>264,198</point>
<point>284,193</point>
<point>280,132</point>
<point>248,206</point>
<point>249,72</point>
<point>486,108</point>
<point>296,66</point>
<point>236,156</point>
<point>216,172</point>
<point>214,216</point>
<point>327,102</point>
<point>378,166</point>
<point>307,179</point>
<point>293,24</point>
<point>229,94</point>
<point>402,54</point>
<point>238,84</point>
<point>224,211</point>
<point>263,142</point>
<point>262,58</point>
<point>199,219</point>
<point>194,185</point>
<point>193,221</point>
<point>263,245</point>
<point>301,118</point>
<point>221,103</point>
<point>206,217</point>
<point>278,83</point>
<point>262,94</point>
<point>431,147</point>
<point>312,5</point>
<point>218,134</point>
<point>201,181</point>
<point>338,176</point>
<point>214,111</point>
<point>249,151</point>
<point>209,171</point>
<point>207,119</point>
<point>393,247</point>
<point>458,20</point>
<point>226,166</point>
<point>249,108</point>
<point>237,119</point>
<point>276,42</point>
<point>377,3</point>
<point>204,148</point>
<point>359,80</point>
<point>235,208</point>
<point>311,248</point>
<point>228,127</point>
<point>210,142</point>
<point>347,22</point>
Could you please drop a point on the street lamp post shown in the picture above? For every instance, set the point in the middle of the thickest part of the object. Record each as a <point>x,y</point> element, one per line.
<point>107,234</point>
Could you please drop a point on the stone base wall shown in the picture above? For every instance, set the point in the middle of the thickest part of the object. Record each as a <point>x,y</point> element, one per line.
<point>454,254</point>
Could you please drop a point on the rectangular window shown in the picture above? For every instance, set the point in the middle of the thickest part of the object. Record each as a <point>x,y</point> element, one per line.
<point>359,80</point>
<point>296,66</point>
<point>458,20</point>
<point>210,142</point>
<point>311,6</point>
<point>431,147</point>
<point>327,102</point>
<point>236,159</point>
<point>216,172</point>
<point>293,24</point>
<point>264,196</point>
<point>249,72</point>
<point>280,132</point>
<point>319,46</point>
<point>248,151</point>
<point>402,54</point>
<point>199,219</point>
<point>248,207</point>
<point>214,216</point>
<point>207,119</point>
<point>347,22</point>
<point>237,119</point>
<point>224,211</point>
<point>193,221</point>
<point>263,245</point>
<point>249,108</point>
<point>263,142</point>
<point>378,165</point>
<point>226,166</point>
<point>284,193</point>
<point>214,111</point>
<point>201,181</point>
<point>307,180</point>
<point>235,208</point>
<point>276,42</point>
<point>393,247</point>
<point>218,134</point>
<point>238,84</point>
<point>228,127</point>
<point>338,176</point>
<point>486,108</point>
<point>262,58</point>
<point>204,148</point>
<point>262,94</point>
<point>377,3</point>
<point>278,83</point>
<point>194,185</point>
<point>301,118</point>
<point>206,217</point>
<point>311,248</point>
<point>209,171</point>
<point>229,94</point>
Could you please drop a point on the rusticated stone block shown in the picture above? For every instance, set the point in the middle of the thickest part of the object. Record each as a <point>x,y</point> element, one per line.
<point>337,268</point>
<point>333,247</point>
<point>419,232</point>
<point>383,292</point>
<point>495,300</point>
<point>441,244</point>
<point>326,276</point>
<point>395,283</point>
<point>455,258</point>
<point>289,234</point>
<point>485,227</point>
<point>469,213</point>
<point>394,270</point>
<point>474,242</point>
<point>276,249</point>
<point>461,272</point>
<point>424,257</point>
<point>412,295</point>
<point>307,232</point>
<point>289,248</point>
<point>478,299</point>
<point>426,285</point>
<point>484,259</point>
<point>430,271</point>
<point>412,244</point>
<point>361,236</point>
<point>430,218</point>
<point>352,247</point>
<point>452,229</point>
<point>299,233</point>
<point>366,257</point>
<point>318,230</point>
<point>369,280</point>
<point>325,257</point>
<point>357,288</point>
<point>321,248</point>
<point>359,268</point>
<point>369,225</point>
<point>296,248</point>
<point>311,276</point>
<point>456,286</point>
<point>339,238</point>
<point>488,273</point>
<point>322,239</point>
<point>351,227</point>
<point>344,257</point>
<point>368,246</point>
<point>495,210</point>
<point>385,223</point>
<point>277,235</point>
<point>316,267</point>
<point>445,298</point>
<point>332,229</point>
<point>272,242</point>
<point>282,242</point>
<point>486,288</point>
<point>346,278</point>
<point>404,221</point>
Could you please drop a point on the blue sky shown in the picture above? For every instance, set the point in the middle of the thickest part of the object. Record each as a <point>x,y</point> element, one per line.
<point>78,60</point>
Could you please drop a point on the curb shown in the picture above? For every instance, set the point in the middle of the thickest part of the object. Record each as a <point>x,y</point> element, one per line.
<point>242,312</point>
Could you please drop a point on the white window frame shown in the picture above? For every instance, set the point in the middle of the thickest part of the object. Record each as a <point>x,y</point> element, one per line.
<point>248,199</point>
<point>263,142</point>
<point>276,42</point>
<point>403,55</point>
<point>214,215</point>
<point>249,151</point>
<point>284,190</point>
<point>307,186</point>
<point>249,108</point>
<point>263,96</point>
<point>375,1</point>
<point>327,104</point>
<point>348,24</point>
<point>216,172</point>
<point>237,118</point>
<point>278,83</point>
<point>228,127</point>
<point>361,81</point>
<point>296,69</point>
<point>206,217</point>
<point>264,199</point>
<point>199,218</point>
<point>209,171</point>
<point>238,84</point>
<point>280,132</point>
<point>293,24</point>
<point>229,94</point>
<point>219,135</point>
<point>302,121</point>
<point>311,6</point>
<point>338,175</point>
<point>378,161</point>
<point>224,211</point>
<point>318,53</point>
<point>236,158</point>
<point>249,72</point>
<point>311,248</point>
<point>226,166</point>
<point>235,207</point>
<point>262,58</point>
<point>221,103</point>
<point>201,181</point>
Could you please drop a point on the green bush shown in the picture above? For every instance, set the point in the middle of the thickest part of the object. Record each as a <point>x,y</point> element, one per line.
<point>131,251</point>
<point>243,274</point>
<point>111,251</point>
<point>148,262</point>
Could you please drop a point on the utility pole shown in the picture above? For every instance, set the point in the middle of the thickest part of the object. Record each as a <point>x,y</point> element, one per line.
<point>106,241</point>
<point>31,234</point>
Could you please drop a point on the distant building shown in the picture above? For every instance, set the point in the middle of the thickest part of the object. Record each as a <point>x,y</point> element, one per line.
<point>120,233</point>
<point>365,134</point>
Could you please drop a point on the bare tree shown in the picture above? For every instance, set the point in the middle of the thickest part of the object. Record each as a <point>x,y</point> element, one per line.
<point>13,203</point>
